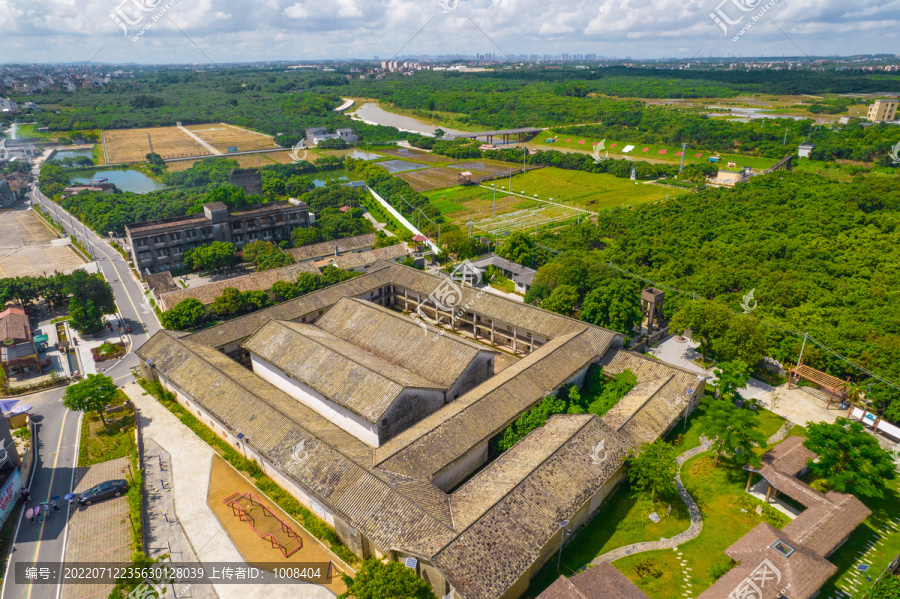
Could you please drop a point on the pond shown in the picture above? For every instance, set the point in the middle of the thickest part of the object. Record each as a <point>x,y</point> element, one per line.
<point>60,154</point>
<point>321,178</point>
<point>126,180</point>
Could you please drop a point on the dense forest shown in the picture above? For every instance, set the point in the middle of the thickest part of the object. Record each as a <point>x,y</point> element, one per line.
<point>823,258</point>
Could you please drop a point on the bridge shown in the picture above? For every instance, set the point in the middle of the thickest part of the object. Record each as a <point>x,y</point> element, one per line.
<point>520,134</point>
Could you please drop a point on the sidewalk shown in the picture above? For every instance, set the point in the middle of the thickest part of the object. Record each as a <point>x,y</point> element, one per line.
<point>83,345</point>
<point>191,466</point>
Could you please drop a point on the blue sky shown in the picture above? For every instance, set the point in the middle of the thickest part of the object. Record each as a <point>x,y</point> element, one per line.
<point>197,31</point>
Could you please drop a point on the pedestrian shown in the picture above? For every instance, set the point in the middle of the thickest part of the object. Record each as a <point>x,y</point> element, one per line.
<point>54,506</point>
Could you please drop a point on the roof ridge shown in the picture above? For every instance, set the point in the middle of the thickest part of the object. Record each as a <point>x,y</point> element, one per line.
<point>367,469</point>
<point>288,324</point>
<point>521,480</point>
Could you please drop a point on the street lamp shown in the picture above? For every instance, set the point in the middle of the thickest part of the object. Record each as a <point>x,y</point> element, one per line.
<point>562,538</point>
<point>495,199</point>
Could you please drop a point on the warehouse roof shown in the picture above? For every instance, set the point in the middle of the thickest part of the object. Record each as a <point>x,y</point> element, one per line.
<point>360,381</point>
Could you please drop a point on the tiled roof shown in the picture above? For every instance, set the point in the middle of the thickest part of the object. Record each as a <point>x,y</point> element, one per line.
<point>275,424</point>
<point>358,259</point>
<point>541,481</point>
<point>327,248</point>
<point>823,527</point>
<point>803,572</point>
<point>402,341</point>
<point>161,283</point>
<point>14,324</point>
<point>658,399</point>
<point>602,581</point>
<point>342,372</point>
<point>258,281</point>
<point>439,440</point>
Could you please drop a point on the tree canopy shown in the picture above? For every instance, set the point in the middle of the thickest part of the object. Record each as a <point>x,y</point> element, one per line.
<point>653,468</point>
<point>92,394</point>
<point>850,459</point>
<point>378,579</point>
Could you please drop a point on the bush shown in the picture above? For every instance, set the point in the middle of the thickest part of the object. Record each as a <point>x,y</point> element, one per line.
<point>647,568</point>
<point>720,568</point>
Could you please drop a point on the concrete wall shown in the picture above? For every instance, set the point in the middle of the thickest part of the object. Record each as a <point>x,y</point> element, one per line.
<point>480,370</point>
<point>459,471</point>
<point>352,423</point>
<point>411,406</point>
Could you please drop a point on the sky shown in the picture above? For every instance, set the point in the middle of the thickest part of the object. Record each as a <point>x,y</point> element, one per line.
<point>220,31</point>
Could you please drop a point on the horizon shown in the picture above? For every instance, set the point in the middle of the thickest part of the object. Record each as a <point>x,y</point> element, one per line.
<point>189,32</point>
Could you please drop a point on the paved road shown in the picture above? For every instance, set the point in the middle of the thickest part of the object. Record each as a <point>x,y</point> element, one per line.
<point>58,428</point>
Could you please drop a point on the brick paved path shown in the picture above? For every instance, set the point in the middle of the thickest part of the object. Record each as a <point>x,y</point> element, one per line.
<point>100,532</point>
<point>690,533</point>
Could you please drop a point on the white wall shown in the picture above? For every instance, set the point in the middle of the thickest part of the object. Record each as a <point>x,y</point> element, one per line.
<point>355,425</point>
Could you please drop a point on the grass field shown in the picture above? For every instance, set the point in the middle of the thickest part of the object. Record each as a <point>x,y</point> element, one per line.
<point>222,136</point>
<point>577,188</point>
<point>132,145</point>
<point>615,147</point>
<point>448,175</point>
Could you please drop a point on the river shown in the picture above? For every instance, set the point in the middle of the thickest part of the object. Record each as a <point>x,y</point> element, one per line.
<point>373,114</point>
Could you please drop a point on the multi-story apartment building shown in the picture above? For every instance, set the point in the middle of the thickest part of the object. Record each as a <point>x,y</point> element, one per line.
<point>883,111</point>
<point>160,245</point>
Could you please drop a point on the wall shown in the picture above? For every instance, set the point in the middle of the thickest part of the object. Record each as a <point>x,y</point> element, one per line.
<point>396,214</point>
<point>480,370</point>
<point>411,406</point>
<point>456,473</point>
<point>352,423</point>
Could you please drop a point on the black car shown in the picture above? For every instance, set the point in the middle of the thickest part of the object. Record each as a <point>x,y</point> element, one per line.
<point>111,488</point>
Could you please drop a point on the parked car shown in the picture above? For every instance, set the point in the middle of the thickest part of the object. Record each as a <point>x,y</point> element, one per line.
<point>110,488</point>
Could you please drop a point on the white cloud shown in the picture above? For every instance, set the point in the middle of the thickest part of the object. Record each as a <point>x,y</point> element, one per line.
<point>296,11</point>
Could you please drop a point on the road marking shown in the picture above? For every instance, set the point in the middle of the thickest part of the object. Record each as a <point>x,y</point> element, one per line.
<point>69,503</point>
<point>37,549</point>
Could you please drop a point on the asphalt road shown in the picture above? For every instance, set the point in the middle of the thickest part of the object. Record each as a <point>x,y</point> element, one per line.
<point>58,428</point>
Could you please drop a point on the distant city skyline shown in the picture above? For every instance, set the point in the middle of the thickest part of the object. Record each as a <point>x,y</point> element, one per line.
<point>227,31</point>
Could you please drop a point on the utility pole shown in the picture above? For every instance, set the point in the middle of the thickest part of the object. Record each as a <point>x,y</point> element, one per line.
<point>495,200</point>
<point>683,152</point>
<point>784,143</point>
<point>562,539</point>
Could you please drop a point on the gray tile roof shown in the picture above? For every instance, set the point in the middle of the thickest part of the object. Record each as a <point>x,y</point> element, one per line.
<point>495,550</point>
<point>257,281</point>
<point>324,249</point>
<point>401,340</point>
<point>360,381</point>
<point>602,581</point>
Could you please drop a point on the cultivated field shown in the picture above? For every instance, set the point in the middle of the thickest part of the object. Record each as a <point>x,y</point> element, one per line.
<point>510,213</point>
<point>447,176</point>
<point>577,188</point>
<point>222,136</point>
<point>132,145</point>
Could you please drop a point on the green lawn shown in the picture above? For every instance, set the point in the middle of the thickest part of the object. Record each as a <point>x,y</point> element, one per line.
<point>101,444</point>
<point>653,151</point>
<point>577,188</point>
<point>447,206</point>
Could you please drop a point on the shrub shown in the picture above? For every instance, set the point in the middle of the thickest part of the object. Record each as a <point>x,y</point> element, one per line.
<point>647,568</point>
<point>720,568</point>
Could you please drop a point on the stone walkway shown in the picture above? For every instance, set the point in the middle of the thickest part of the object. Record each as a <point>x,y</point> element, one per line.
<point>781,433</point>
<point>673,542</point>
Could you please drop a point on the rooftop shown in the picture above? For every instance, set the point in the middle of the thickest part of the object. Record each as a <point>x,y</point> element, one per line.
<point>602,581</point>
<point>192,220</point>
<point>257,281</point>
<point>14,324</point>
<point>328,248</point>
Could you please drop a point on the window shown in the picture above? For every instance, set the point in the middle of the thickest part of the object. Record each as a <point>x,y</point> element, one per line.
<point>145,256</point>
<point>179,249</point>
<point>192,234</point>
<point>159,239</point>
<point>162,253</point>
<point>783,548</point>
<point>140,242</point>
<point>240,238</point>
<point>384,422</point>
<point>175,236</point>
<point>236,226</point>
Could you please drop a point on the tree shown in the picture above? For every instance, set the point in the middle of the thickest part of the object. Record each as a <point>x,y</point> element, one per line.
<point>266,255</point>
<point>231,302</point>
<point>92,394</point>
<point>731,376</point>
<point>654,468</point>
<point>217,254</point>
<point>255,300</point>
<point>84,318</point>
<point>92,289</point>
<point>850,459</point>
<point>707,322</point>
<point>614,304</point>
<point>305,235</point>
<point>562,300</point>
<point>732,430</point>
<point>386,580</point>
<point>742,340</point>
<point>187,314</point>
<point>517,248</point>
